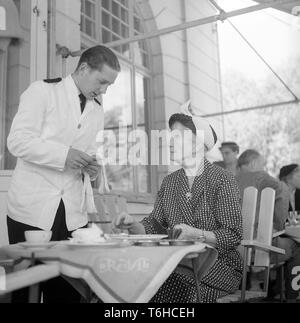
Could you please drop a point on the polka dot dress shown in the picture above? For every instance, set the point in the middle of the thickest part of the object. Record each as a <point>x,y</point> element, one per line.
<point>213,204</point>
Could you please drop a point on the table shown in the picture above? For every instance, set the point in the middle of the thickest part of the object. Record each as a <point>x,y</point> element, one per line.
<point>118,275</point>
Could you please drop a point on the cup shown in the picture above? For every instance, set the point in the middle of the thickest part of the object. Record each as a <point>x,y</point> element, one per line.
<point>38,236</point>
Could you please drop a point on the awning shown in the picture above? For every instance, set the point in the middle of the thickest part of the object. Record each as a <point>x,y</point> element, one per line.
<point>288,8</point>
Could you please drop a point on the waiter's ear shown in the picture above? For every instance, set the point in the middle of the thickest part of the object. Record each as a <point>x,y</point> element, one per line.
<point>83,68</point>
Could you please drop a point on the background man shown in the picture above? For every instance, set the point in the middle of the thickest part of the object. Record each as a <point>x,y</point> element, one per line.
<point>230,152</point>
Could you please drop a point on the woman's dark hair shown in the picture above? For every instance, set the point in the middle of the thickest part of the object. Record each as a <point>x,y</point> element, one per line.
<point>288,171</point>
<point>184,119</point>
<point>99,55</point>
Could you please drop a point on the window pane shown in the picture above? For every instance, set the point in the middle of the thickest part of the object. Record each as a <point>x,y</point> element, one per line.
<point>125,31</point>
<point>117,101</point>
<point>90,9</point>
<point>88,23</point>
<point>143,173</point>
<point>124,15</point>
<point>144,179</point>
<point>115,9</point>
<point>120,176</point>
<point>89,28</point>
<point>141,55</point>
<point>142,105</point>
<point>118,113</point>
<point>106,4</point>
<point>106,19</point>
<point>142,84</point>
<point>116,26</point>
<point>106,36</point>
<point>137,26</point>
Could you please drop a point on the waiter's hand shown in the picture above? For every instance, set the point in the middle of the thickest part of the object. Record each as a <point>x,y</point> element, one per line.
<point>93,169</point>
<point>77,159</point>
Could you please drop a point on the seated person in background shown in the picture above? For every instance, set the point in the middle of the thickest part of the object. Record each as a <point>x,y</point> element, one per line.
<point>204,203</point>
<point>252,173</point>
<point>251,165</point>
<point>230,152</point>
<point>290,175</point>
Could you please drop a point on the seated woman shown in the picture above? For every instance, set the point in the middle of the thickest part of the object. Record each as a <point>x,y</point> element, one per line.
<point>203,203</point>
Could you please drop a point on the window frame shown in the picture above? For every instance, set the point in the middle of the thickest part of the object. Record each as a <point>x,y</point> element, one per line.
<point>135,69</point>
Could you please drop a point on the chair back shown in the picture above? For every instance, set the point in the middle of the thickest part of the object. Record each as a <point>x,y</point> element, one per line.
<point>265,226</point>
<point>248,213</point>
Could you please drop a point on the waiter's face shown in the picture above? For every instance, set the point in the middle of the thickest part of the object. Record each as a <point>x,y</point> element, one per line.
<point>95,82</point>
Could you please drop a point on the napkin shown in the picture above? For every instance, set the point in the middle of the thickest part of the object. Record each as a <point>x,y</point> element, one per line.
<point>103,187</point>
<point>87,198</point>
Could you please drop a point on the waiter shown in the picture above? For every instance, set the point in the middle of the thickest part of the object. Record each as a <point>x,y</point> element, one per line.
<point>53,136</point>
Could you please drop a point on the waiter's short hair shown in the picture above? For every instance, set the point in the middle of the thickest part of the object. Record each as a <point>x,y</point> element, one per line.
<point>247,157</point>
<point>99,55</point>
<point>232,145</point>
<point>184,119</point>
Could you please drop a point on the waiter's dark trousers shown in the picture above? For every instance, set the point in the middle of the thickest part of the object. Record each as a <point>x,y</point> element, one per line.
<point>56,290</point>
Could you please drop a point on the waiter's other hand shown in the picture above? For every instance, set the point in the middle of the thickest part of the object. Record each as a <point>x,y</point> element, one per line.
<point>77,159</point>
<point>93,170</point>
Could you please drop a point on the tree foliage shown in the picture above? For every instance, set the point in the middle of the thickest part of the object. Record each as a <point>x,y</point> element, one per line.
<point>275,131</point>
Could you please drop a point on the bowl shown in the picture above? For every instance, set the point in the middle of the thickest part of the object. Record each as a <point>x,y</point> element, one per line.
<point>38,236</point>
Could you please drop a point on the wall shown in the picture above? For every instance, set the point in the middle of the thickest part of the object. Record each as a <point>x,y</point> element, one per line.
<point>18,69</point>
<point>190,63</point>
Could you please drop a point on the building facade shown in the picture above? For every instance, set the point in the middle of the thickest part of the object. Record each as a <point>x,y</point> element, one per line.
<point>158,74</point>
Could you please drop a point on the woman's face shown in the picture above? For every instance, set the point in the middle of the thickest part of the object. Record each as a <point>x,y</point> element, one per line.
<point>185,148</point>
<point>295,179</point>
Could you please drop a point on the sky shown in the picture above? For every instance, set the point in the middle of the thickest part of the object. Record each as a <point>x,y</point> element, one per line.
<point>274,34</point>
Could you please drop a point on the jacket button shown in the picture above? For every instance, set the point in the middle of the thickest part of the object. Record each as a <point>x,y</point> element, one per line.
<point>79,126</point>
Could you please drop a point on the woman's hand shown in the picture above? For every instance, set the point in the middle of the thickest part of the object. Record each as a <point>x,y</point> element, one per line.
<point>188,232</point>
<point>124,221</point>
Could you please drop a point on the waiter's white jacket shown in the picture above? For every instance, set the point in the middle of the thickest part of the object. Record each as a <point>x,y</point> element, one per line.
<point>48,123</point>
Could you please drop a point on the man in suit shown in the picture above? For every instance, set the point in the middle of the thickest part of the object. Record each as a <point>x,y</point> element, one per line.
<point>290,175</point>
<point>53,135</point>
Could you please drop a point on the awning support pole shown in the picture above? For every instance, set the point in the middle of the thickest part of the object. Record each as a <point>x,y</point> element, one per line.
<point>191,24</point>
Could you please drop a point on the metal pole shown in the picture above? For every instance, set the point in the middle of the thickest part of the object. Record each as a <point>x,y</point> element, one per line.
<point>259,107</point>
<point>220,17</point>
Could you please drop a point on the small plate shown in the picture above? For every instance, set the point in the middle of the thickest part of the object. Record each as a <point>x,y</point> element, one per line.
<point>146,243</point>
<point>141,237</point>
<point>178,243</point>
<point>30,245</point>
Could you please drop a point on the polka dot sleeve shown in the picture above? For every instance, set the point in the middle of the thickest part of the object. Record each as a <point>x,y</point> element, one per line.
<point>156,222</point>
<point>228,214</point>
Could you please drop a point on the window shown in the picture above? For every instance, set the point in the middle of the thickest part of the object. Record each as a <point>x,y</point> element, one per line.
<point>128,100</point>
<point>2,18</point>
